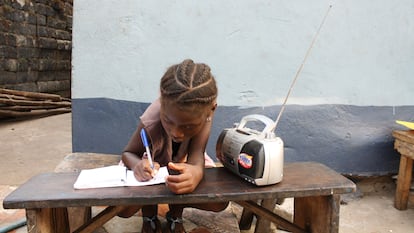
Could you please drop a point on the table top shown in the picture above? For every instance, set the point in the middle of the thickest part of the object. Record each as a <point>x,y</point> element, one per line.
<point>52,190</point>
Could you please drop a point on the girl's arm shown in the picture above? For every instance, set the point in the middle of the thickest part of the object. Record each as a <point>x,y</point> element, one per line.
<point>132,157</point>
<point>191,172</point>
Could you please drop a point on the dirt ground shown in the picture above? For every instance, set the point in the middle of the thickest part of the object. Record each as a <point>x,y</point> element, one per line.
<point>32,146</point>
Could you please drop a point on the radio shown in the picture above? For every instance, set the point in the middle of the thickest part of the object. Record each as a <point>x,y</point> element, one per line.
<point>256,156</point>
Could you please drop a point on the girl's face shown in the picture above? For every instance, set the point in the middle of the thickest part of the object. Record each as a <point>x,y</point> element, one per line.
<point>183,123</point>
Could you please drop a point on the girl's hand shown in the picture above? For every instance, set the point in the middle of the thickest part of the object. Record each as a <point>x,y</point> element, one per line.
<point>143,170</point>
<point>187,180</point>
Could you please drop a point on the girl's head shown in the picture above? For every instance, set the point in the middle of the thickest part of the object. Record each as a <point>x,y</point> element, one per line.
<point>188,99</point>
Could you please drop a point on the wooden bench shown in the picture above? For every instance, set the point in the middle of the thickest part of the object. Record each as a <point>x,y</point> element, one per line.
<point>315,188</point>
<point>404,144</point>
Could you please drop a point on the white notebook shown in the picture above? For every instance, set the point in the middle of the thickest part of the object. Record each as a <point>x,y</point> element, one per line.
<point>114,176</point>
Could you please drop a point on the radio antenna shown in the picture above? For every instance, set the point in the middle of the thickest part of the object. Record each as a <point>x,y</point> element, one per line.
<point>300,69</point>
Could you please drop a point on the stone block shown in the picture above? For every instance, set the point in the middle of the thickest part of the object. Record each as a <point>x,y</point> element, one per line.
<point>25,41</point>
<point>27,52</point>
<point>41,20</point>
<point>8,39</point>
<point>54,22</point>
<point>7,77</point>
<point>24,28</point>
<point>48,43</point>
<point>64,44</point>
<point>43,31</point>
<point>44,9</point>
<point>14,15</point>
<point>47,64</point>
<point>52,86</point>
<point>5,25</point>
<point>8,51</point>
<point>10,65</point>
<point>24,77</point>
<point>63,35</point>
<point>22,64</point>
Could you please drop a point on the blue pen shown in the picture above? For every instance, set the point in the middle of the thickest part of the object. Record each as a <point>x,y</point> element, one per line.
<point>146,144</point>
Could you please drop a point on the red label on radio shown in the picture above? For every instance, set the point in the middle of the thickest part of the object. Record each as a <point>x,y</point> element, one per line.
<point>245,160</point>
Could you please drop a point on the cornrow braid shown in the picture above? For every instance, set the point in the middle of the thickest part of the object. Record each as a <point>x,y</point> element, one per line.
<point>189,83</point>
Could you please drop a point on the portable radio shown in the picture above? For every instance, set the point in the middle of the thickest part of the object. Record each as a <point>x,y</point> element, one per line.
<point>256,156</point>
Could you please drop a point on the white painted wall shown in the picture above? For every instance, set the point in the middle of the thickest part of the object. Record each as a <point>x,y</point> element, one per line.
<point>364,54</point>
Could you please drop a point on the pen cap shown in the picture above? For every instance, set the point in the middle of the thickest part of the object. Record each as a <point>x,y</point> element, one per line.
<point>144,138</point>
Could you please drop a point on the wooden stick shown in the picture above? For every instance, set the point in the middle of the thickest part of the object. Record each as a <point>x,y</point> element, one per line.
<point>8,113</point>
<point>36,103</point>
<point>17,97</point>
<point>34,95</point>
<point>26,108</point>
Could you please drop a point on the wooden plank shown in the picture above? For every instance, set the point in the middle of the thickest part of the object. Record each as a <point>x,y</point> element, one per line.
<point>404,148</point>
<point>318,214</point>
<point>403,183</point>
<point>404,135</point>
<point>35,103</point>
<point>34,95</point>
<point>219,184</point>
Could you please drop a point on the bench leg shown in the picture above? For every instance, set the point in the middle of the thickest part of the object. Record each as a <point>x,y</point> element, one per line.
<point>78,216</point>
<point>318,214</point>
<point>403,183</point>
<point>47,220</point>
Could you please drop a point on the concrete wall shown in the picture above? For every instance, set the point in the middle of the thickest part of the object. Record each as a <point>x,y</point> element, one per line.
<point>355,84</point>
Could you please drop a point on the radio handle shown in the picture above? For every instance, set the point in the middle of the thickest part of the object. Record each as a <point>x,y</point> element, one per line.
<point>269,123</point>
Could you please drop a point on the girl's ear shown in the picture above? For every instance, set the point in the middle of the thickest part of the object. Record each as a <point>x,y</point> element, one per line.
<point>214,107</point>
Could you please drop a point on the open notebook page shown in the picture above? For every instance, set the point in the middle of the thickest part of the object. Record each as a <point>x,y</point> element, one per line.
<point>114,176</point>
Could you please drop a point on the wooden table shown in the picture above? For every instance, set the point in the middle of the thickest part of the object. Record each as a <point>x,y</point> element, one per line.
<point>315,188</point>
<point>404,144</point>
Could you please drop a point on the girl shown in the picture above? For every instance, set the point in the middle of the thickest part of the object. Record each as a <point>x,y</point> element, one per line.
<point>178,125</point>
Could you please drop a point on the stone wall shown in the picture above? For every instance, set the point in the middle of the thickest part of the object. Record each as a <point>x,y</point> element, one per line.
<point>35,45</point>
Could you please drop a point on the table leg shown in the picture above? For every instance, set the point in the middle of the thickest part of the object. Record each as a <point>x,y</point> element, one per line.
<point>403,183</point>
<point>47,220</point>
<point>246,219</point>
<point>318,214</point>
<point>78,216</point>
<point>263,224</point>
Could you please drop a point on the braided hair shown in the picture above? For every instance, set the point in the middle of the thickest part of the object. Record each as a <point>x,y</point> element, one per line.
<point>188,84</point>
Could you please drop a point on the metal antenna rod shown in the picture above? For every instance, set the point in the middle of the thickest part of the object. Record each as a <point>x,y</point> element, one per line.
<point>300,69</point>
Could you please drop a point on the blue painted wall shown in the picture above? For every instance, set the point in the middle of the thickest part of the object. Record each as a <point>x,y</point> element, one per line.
<point>350,139</point>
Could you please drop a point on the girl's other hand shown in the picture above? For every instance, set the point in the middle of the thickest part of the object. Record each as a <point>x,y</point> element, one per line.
<point>187,178</point>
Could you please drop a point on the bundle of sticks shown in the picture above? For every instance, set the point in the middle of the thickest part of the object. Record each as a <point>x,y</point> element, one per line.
<point>14,104</point>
